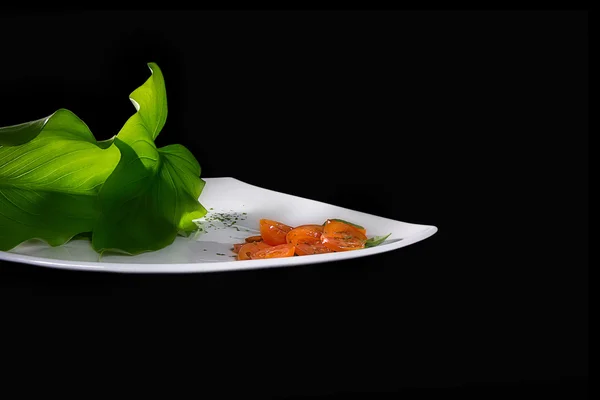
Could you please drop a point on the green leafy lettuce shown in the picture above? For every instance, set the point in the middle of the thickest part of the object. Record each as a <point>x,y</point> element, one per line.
<point>57,182</point>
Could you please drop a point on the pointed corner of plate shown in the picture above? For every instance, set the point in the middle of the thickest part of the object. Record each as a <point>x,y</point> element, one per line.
<point>431,230</point>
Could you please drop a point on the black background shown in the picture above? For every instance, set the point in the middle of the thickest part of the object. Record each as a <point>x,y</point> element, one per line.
<point>475,122</point>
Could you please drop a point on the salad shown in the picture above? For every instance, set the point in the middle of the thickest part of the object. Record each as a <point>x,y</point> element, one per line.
<point>278,240</point>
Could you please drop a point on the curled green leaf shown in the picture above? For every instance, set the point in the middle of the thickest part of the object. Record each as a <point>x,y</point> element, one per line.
<point>153,193</point>
<point>51,171</point>
<point>19,134</point>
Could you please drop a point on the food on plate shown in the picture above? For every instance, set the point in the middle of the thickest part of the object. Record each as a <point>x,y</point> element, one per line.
<point>273,232</point>
<point>247,250</point>
<point>277,240</point>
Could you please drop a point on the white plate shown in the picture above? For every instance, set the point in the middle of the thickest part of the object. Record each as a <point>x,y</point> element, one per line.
<point>210,251</point>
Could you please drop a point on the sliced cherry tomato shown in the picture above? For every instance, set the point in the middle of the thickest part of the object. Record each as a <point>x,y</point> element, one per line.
<point>237,247</point>
<point>308,234</point>
<point>248,249</point>
<point>339,236</point>
<point>282,250</point>
<point>273,232</point>
<point>360,228</point>
<point>305,249</point>
<point>251,239</point>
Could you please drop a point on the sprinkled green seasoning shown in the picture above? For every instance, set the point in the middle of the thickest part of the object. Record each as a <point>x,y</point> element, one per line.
<point>227,219</point>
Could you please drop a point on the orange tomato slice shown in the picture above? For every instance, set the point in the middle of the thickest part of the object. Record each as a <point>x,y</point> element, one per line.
<point>308,234</point>
<point>249,249</point>
<point>360,228</point>
<point>282,250</point>
<point>254,239</point>
<point>339,236</point>
<point>273,232</point>
<point>305,249</point>
<point>237,247</point>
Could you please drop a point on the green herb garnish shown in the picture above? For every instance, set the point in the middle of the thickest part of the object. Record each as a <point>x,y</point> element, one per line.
<point>376,240</point>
